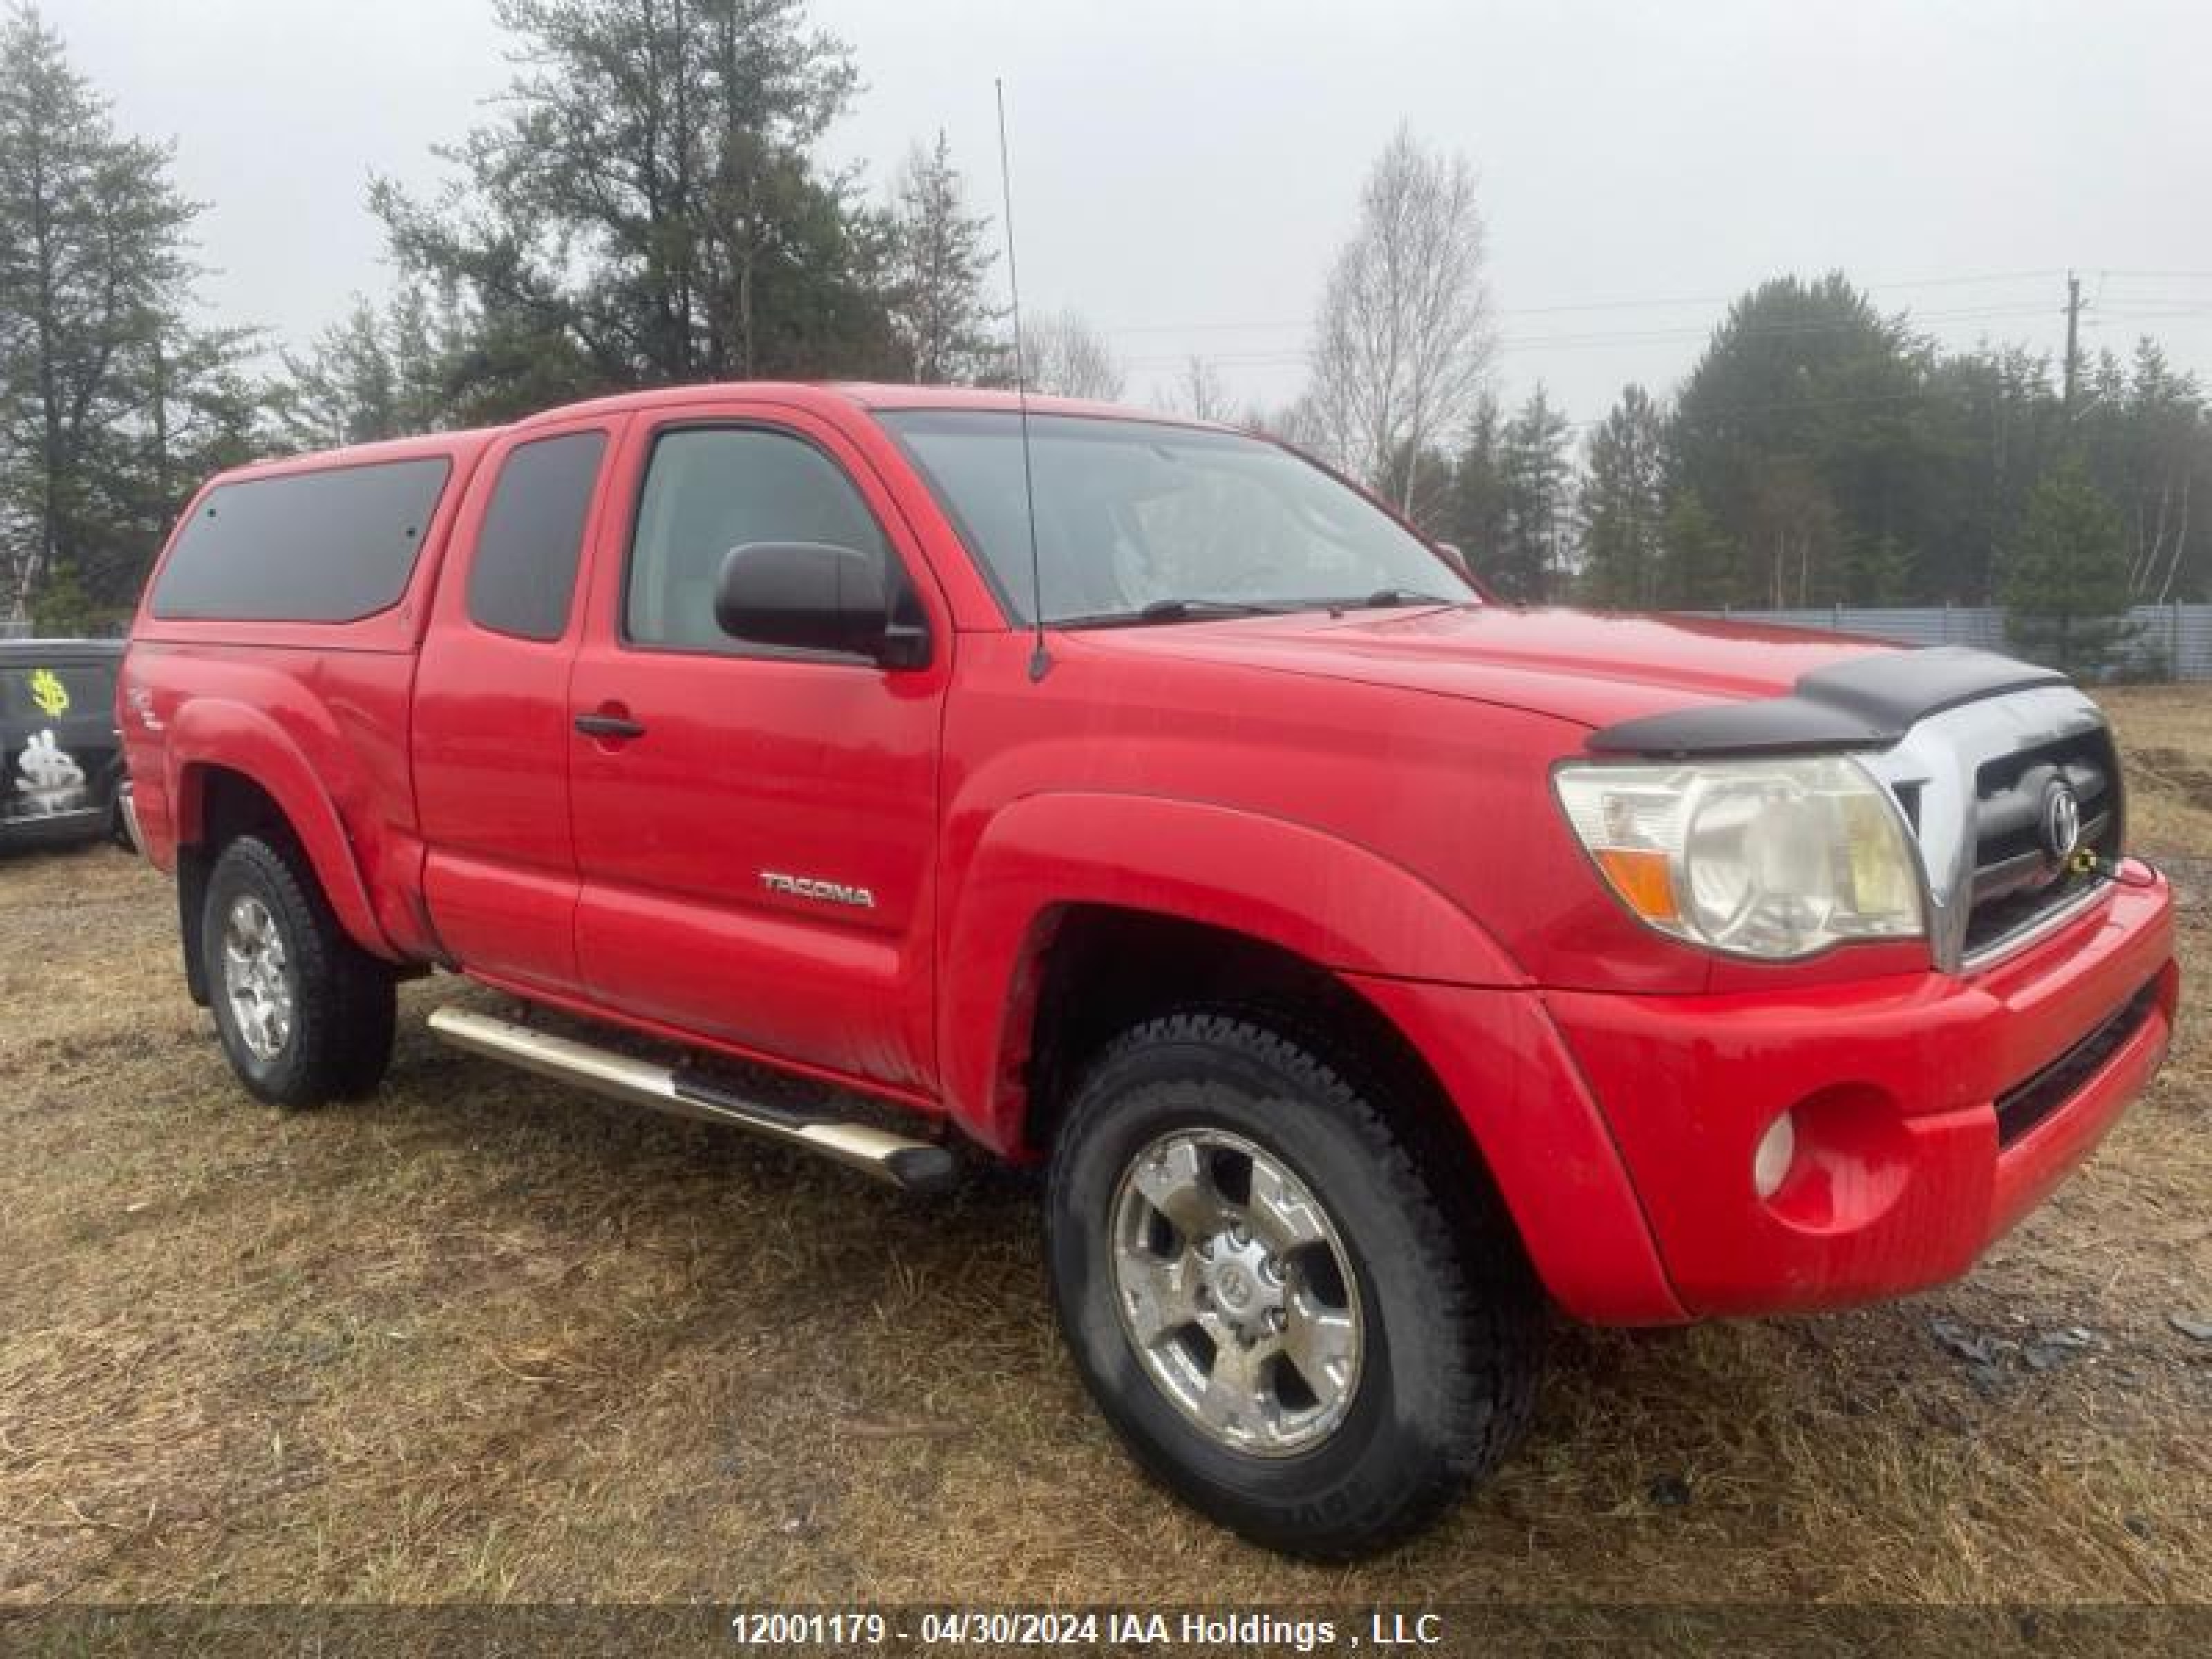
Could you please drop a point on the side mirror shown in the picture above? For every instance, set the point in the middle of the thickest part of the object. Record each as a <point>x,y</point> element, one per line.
<point>1455,558</point>
<point>810,596</point>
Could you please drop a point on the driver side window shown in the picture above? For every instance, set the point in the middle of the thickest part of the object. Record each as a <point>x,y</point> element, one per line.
<point>709,489</point>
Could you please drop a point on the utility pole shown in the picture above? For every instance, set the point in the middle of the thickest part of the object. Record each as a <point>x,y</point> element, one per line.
<point>2073,340</point>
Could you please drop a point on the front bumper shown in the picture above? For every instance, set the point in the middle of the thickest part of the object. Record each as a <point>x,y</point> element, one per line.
<point>1902,1176</point>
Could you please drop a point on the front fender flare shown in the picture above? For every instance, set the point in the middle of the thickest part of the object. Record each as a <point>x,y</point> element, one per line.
<point>1333,902</point>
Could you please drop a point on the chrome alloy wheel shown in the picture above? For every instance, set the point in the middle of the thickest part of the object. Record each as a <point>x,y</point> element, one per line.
<point>257,977</point>
<point>1236,1292</point>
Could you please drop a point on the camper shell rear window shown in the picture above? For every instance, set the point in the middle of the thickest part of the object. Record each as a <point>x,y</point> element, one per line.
<point>330,546</point>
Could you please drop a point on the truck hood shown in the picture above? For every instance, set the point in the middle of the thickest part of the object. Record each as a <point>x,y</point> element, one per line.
<point>1594,670</point>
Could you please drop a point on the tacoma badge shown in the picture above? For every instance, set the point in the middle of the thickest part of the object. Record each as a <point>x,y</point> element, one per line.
<point>829,892</point>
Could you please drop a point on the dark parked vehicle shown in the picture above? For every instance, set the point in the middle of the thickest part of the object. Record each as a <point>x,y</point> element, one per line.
<point>61,758</point>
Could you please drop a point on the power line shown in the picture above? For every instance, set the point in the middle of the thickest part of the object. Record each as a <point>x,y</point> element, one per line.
<point>1654,303</point>
<point>1283,356</point>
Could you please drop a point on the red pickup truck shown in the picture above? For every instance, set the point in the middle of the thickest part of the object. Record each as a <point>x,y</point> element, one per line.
<point>1373,965</point>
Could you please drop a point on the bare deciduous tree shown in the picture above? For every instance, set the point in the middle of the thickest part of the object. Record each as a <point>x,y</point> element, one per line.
<point>1403,341</point>
<point>1200,393</point>
<point>1065,356</point>
<point>1297,423</point>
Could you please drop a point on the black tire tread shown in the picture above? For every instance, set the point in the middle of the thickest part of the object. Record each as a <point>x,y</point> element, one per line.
<point>347,1011</point>
<point>1466,1249</point>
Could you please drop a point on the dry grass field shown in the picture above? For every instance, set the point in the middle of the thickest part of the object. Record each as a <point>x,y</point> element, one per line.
<point>481,1340</point>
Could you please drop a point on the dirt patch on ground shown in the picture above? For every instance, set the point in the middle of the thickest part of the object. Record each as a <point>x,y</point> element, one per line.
<point>479,1339</point>
<point>2175,773</point>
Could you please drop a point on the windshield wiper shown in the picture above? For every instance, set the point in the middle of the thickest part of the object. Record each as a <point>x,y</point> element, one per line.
<point>1389,599</point>
<point>1184,609</point>
<point>1175,610</point>
<point>1171,610</point>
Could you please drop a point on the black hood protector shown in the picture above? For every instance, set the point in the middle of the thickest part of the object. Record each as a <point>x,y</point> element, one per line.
<point>1868,703</point>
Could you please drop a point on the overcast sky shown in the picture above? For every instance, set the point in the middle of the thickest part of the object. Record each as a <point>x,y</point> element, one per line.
<point>1184,167</point>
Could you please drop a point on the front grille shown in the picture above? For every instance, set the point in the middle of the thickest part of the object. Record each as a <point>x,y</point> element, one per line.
<point>2016,881</point>
<point>2025,1104</point>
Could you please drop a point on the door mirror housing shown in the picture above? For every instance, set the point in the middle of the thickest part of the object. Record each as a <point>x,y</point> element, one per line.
<point>1456,558</point>
<point>810,595</point>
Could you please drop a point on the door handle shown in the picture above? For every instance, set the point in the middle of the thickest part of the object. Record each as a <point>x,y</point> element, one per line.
<point>614,726</point>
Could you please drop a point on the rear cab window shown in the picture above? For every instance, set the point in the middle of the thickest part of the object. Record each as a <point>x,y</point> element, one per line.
<point>332,545</point>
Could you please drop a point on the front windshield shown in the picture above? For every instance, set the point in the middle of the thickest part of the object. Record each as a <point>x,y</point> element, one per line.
<point>1135,517</point>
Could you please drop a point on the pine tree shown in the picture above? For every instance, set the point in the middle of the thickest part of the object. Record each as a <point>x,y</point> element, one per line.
<point>1801,430</point>
<point>382,373</point>
<point>1474,514</point>
<point>1700,566</point>
<point>1624,505</point>
<point>1534,468</point>
<point>938,261</point>
<point>2065,584</point>
<point>2147,441</point>
<point>649,208</point>
<point>110,398</point>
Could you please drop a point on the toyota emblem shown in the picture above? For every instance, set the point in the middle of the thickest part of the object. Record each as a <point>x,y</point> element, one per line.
<point>2062,821</point>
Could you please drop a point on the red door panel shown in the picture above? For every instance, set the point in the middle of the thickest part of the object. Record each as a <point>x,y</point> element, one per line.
<point>491,742</point>
<point>757,854</point>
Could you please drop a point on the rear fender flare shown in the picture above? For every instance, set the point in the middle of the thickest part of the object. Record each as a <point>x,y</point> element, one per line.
<point>210,733</point>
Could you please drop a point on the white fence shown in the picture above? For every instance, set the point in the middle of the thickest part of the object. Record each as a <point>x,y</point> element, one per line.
<point>2169,641</point>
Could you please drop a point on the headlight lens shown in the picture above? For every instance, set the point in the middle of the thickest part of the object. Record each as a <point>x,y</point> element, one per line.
<point>1773,859</point>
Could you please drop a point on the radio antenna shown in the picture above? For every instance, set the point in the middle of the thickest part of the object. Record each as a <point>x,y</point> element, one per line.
<point>1039,659</point>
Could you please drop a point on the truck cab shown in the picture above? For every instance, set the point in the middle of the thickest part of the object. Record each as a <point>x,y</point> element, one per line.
<point>1374,968</point>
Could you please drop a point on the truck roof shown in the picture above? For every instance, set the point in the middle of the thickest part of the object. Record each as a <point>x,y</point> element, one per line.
<point>463,447</point>
<point>459,448</point>
<point>860,394</point>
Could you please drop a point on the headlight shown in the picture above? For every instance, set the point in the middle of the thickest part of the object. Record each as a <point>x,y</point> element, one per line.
<point>1773,859</point>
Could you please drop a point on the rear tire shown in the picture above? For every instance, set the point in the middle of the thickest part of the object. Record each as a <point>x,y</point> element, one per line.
<point>306,1015</point>
<point>1296,1230</point>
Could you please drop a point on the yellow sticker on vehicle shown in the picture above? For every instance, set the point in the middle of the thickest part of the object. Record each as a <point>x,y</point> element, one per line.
<point>49,693</point>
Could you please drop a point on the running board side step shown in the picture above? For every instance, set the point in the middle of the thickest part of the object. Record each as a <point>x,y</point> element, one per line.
<point>917,1166</point>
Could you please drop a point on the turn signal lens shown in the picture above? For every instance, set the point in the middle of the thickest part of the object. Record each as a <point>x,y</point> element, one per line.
<point>1642,878</point>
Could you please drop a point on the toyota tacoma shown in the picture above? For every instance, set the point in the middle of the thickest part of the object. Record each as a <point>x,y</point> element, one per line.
<point>1372,968</point>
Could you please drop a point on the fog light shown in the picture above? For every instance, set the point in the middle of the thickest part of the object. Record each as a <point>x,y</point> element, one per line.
<point>1777,1149</point>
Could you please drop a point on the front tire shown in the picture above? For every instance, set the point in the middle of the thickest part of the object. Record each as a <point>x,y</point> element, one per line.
<point>305,1015</point>
<point>1283,1312</point>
